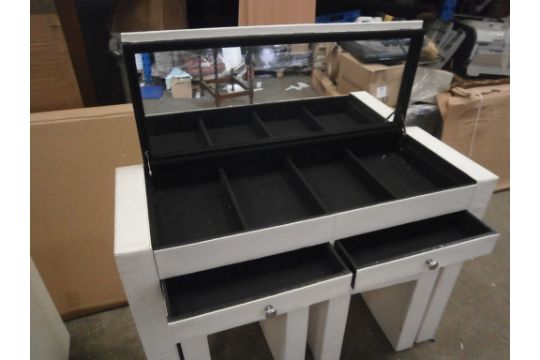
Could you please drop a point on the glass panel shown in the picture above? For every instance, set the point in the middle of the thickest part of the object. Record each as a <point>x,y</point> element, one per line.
<point>180,81</point>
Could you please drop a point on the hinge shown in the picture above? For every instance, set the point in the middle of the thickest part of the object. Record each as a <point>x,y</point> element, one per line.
<point>401,119</point>
<point>147,154</point>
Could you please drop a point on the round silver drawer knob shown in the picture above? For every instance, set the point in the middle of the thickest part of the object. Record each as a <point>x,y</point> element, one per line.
<point>270,311</point>
<point>432,264</point>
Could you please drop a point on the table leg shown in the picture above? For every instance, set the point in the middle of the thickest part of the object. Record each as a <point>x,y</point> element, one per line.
<point>399,309</point>
<point>141,284</point>
<point>439,299</point>
<point>327,322</point>
<point>216,84</point>
<point>201,78</point>
<point>286,334</point>
<point>250,74</point>
<point>196,348</point>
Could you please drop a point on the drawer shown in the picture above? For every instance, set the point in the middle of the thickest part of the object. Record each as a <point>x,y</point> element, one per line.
<point>259,203</point>
<point>385,257</point>
<point>214,300</point>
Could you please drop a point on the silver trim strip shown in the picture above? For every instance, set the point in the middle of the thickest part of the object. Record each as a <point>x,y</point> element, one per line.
<point>242,31</point>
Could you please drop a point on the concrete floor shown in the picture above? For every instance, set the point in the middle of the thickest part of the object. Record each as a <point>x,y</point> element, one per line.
<point>272,90</point>
<point>475,325</point>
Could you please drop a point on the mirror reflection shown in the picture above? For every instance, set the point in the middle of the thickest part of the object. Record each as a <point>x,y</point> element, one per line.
<point>180,81</point>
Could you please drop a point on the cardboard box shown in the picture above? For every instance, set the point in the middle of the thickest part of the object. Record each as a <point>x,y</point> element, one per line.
<point>264,12</point>
<point>379,80</point>
<point>74,154</point>
<point>323,84</point>
<point>299,48</point>
<point>333,53</point>
<point>145,15</point>
<point>319,55</point>
<point>53,85</point>
<point>181,88</point>
<point>477,124</point>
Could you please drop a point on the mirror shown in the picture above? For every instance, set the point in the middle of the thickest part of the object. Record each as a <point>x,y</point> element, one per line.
<point>187,80</point>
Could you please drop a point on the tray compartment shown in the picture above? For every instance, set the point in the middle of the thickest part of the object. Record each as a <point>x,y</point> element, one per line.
<point>271,193</point>
<point>288,119</point>
<point>409,239</point>
<point>341,113</point>
<point>409,170</point>
<point>339,182</point>
<point>198,131</point>
<point>259,125</point>
<point>233,128</point>
<point>198,199</point>
<point>218,288</point>
<point>190,135</point>
<point>195,211</point>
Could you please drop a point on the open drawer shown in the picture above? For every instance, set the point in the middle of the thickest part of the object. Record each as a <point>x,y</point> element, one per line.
<point>382,257</point>
<point>263,201</point>
<point>221,298</point>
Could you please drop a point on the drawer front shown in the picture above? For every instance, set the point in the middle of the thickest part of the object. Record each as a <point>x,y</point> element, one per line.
<point>232,249</point>
<point>222,251</point>
<point>253,311</point>
<point>381,216</point>
<point>396,254</point>
<point>388,272</point>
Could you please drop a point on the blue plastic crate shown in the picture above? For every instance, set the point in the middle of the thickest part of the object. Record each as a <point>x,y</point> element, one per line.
<point>346,16</point>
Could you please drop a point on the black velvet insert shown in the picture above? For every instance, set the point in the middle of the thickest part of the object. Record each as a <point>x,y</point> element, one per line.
<point>272,197</point>
<point>195,212</point>
<point>404,240</point>
<point>289,120</point>
<point>176,134</point>
<point>342,185</point>
<point>340,115</point>
<point>410,169</point>
<point>217,288</point>
<point>200,199</point>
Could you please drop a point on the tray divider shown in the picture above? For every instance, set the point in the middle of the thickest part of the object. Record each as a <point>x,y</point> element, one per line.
<point>204,132</point>
<point>224,180</point>
<point>355,113</point>
<point>311,118</point>
<point>371,177</point>
<point>259,125</point>
<point>416,157</point>
<point>293,169</point>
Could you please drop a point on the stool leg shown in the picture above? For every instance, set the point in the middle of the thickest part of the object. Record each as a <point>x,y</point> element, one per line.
<point>439,299</point>
<point>286,334</point>
<point>399,309</point>
<point>327,322</point>
<point>196,348</point>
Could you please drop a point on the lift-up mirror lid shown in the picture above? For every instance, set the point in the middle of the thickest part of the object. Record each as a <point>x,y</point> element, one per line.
<point>179,133</point>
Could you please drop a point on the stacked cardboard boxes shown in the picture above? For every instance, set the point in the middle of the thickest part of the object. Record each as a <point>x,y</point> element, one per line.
<point>476,122</point>
<point>381,81</point>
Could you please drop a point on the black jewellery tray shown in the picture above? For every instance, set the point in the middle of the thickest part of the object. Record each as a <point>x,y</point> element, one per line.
<point>218,288</point>
<point>196,200</point>
<point>212,173</point>
<point>203,130</point>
